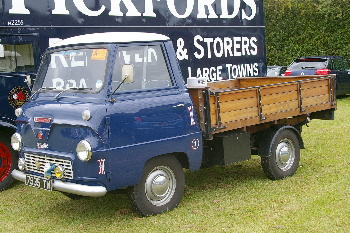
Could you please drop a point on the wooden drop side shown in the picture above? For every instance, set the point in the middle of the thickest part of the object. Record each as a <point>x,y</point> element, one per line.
<point>234,104</point>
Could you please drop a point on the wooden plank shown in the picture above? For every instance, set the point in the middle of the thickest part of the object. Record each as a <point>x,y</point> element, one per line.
<point>238,104</point>
<point>261,81</point>
<point>314,91</point>
<point>284,88</point>
<point>231,125</point>
<point>319,107</point>
<point>213,110</point>
<point>240,114</point>
<point>315,83</point>
<point>280,115</point>
<point>279,97</point>
<point>239,124</point>
<point>280,107</point>
<point>315,100</point>
<point>238,94</point>
<point>224,85</point>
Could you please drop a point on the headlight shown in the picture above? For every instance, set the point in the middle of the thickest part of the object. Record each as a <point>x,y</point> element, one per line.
<point>84,151</point>
<point>16,141</point>
<point>21,164</point>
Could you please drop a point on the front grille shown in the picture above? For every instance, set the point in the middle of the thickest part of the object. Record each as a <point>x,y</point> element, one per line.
<point>36,163</point>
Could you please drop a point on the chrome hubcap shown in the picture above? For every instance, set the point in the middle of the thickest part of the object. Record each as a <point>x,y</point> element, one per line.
<point>160,185</point>
<point>285,154</point>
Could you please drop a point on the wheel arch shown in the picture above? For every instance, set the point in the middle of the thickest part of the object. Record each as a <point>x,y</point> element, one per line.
<point>269,135</point>
<point>180,156</point>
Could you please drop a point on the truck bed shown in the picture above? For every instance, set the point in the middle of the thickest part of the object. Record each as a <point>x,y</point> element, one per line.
<point>244,102</point>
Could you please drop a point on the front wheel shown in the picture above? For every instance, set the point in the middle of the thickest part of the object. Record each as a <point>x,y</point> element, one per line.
<point>160,188</point>
<point>282,155</point>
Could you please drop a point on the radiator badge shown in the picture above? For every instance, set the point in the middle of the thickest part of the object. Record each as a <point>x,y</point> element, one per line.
<point>42,145</point>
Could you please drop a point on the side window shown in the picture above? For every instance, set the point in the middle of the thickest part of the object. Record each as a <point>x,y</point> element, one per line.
<point>347,64</point>
<point>150,69</point>
<point>16,58</point>
<point>338,64</point>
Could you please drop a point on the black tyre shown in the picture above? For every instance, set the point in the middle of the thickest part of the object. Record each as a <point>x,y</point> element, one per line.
<point>160,188</point>
<point>280,158</point>
<point>8,160</point>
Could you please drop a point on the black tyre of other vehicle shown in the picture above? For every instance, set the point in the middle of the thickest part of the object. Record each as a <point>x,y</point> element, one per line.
<point>8,160</point>
<point>281,154</point>
<point>160,188</point>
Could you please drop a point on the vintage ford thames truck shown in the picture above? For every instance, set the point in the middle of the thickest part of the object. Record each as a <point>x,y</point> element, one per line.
<point>112,110</point>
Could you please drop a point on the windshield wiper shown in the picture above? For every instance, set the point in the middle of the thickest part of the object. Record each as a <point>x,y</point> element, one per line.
<point>41,89</point>
<point>72,88</point>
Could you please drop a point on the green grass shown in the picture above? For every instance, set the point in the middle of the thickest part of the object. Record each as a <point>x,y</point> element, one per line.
<point>235,198</point>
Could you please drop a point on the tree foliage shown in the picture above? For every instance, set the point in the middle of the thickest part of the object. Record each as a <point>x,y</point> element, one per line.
<point>297,28</point>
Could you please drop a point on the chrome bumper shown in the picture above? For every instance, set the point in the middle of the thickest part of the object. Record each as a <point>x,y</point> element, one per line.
<point>79,189</point>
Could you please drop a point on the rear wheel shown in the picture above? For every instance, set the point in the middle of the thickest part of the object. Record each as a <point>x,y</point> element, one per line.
<point>160,188</point>
<point>8,161</point>
<point>281,156</point>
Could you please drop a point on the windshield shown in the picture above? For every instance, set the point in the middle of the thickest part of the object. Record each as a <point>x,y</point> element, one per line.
<point>82,69</point>
<point>308,64</point>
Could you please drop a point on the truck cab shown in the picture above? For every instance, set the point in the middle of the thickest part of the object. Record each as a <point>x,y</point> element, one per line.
<point>103,107</point>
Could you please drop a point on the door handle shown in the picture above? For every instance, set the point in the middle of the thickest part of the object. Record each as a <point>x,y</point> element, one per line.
<point>179,105</point>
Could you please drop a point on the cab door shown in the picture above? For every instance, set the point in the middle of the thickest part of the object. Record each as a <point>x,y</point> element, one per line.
<point>149,115</point>
<point>151,107</point>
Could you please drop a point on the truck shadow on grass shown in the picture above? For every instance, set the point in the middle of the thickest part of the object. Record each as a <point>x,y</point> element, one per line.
<point>225,176</point>
<point>117,204</point>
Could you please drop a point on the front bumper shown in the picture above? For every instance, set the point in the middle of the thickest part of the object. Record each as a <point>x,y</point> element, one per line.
<point>66,187</point>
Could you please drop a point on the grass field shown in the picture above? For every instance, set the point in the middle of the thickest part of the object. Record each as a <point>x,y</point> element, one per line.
<point>236,198</point>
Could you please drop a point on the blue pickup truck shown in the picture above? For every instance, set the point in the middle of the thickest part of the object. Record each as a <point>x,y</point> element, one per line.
<point>112,110</point>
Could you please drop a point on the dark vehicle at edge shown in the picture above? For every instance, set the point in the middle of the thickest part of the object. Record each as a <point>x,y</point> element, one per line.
<point>323,65</point>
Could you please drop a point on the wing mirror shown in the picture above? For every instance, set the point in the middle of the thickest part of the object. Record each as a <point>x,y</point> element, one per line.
<point>2,51</point>
<point>127,77</point>
<point>127,74</point>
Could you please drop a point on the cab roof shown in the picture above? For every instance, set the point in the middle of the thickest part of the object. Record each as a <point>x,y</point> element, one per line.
<point>112,37</point>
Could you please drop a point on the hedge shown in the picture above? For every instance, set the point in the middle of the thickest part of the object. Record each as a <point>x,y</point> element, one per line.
<point>297,28</point>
